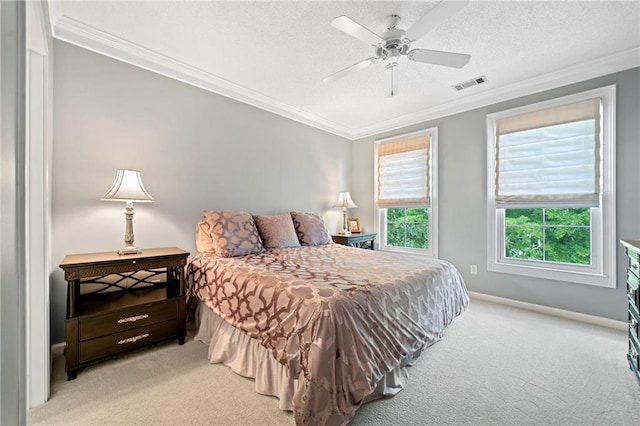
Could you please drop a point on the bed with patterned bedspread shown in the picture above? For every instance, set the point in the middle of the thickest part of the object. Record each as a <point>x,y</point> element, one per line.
<point>338,319</point>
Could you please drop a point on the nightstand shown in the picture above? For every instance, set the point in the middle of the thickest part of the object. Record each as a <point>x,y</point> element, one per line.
<point>355,240</point>
<point>116,303</point>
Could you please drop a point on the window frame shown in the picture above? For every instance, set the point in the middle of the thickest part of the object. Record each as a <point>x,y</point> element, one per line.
<point>432,211</point>
<point>602,271</point>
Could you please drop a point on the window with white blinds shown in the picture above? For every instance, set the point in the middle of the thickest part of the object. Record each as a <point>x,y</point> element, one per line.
<point>403,173</point>
<point>406,192</point>
<point>549,157</point>
<point>551,189</point>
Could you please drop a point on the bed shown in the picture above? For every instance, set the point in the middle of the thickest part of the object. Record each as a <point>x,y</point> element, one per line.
<point>323,327</point>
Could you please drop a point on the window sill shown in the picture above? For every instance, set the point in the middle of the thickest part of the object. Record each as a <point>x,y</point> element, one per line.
<point>550,273</point>
<point>412,252</point>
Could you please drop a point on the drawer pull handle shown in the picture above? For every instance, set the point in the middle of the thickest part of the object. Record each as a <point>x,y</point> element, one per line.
<point>133,319</point>
<point>633,322</point>
<point>133,339</point>
<point>634,266</point>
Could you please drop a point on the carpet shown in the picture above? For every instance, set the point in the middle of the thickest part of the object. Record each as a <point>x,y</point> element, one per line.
<point>496,365</point>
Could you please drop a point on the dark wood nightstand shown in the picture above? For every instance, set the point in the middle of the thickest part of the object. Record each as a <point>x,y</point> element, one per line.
<point>116,303</point>
<point>355,240</point>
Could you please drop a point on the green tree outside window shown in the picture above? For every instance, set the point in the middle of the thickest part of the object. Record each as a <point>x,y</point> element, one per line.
<point>408,227</point>
<point>549,234</point>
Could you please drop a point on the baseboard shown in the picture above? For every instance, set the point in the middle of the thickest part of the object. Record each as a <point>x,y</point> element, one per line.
<point>576,316</point>
<point>57,349</point>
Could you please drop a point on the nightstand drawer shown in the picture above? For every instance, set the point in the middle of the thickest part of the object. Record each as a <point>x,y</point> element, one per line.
<point>127,319</point>
<point>130,339</point>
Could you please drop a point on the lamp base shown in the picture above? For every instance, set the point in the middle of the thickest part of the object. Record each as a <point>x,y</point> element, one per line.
<point>128,235</point>
<point>345,229</point>
<point>129,250</point>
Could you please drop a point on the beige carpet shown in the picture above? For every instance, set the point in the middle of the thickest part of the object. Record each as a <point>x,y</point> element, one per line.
<point>496,366</point>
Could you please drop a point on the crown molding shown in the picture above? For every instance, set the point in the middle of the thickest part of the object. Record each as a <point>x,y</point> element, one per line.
<point>85,36</point>
<point>602,66</point>
<point>77,33</point>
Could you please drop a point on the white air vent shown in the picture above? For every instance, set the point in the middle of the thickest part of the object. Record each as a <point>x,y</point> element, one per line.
<point>469,83</point>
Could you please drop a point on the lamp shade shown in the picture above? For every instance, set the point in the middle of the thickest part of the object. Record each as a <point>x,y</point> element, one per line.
<point>128,187</point>
<point>344,200</point>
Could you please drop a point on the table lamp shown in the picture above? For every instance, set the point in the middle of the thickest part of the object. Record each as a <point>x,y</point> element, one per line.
<point>128,187</point>
<point>345,201</point>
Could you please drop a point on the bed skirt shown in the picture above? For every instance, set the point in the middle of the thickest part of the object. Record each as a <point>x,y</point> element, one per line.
<point>248,358</point>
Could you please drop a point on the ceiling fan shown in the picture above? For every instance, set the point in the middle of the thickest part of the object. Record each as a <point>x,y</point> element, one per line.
<point>395,42</point>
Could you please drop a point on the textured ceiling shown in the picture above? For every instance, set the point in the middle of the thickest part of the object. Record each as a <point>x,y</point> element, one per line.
<point>275,54</point>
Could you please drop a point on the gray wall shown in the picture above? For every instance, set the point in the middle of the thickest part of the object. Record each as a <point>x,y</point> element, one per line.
<point>196,150</point>
<point>462,198</point>
<point>12,211</point>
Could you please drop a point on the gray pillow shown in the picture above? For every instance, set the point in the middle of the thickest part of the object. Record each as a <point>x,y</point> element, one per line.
<point>310,229</point>
<point>277,231</point>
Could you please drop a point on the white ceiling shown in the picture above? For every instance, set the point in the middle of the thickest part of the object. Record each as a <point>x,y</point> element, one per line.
<point>274,54</point>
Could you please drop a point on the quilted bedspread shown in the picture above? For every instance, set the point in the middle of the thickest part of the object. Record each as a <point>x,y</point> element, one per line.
<point>338,318</point>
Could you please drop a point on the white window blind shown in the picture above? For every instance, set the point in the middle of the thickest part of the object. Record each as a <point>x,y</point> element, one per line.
<point>403,173</point>
<point>549,157</point>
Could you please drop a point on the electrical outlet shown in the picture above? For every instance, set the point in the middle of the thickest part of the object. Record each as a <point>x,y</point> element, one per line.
<point>474,269</point>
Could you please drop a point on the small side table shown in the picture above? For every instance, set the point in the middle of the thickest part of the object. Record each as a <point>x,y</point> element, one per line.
<point>131,301</point>
<point>355,240</point>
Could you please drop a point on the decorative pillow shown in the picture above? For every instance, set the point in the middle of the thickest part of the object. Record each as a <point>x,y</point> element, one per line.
<point>277,231</point>
<point>232,233</point>
<point>310,229</point>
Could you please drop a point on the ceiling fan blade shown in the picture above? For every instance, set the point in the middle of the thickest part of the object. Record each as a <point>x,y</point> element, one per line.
<point>351,27</point>
<point>356,67</point>
<point>439,13</point>
<point>391,77</point>
<point>447,59</point>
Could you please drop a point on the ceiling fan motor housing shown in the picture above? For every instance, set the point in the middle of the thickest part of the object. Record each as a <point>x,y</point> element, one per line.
<point>395,44</point>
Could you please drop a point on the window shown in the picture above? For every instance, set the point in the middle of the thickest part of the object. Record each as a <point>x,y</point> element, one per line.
<point>548,234</point>
<point>551,189</point>
<point>405,192</point>
<point>407,227</point>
